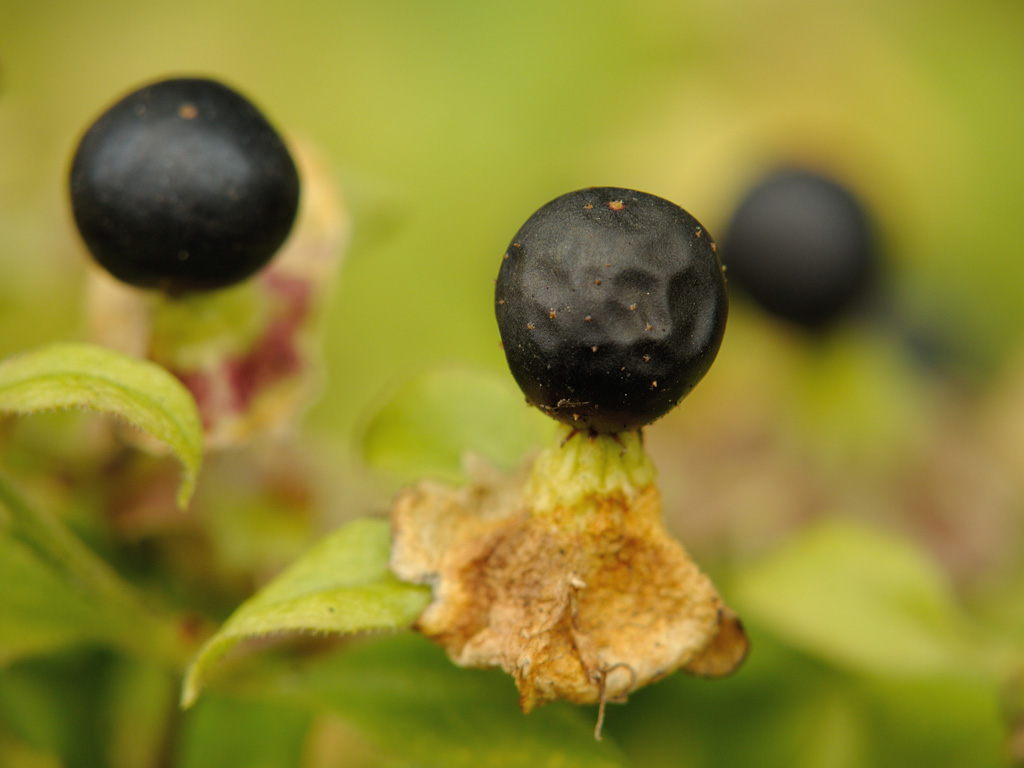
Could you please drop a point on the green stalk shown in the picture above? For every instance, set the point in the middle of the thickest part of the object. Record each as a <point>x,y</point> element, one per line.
<point>137,629</point>
<point>579,467</point>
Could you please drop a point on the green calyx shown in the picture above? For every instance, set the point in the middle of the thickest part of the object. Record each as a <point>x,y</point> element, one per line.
<point>192,330</point>
<point>581,466</point>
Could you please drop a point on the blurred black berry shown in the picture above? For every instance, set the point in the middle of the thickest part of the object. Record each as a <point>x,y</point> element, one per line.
<point>802,246</point>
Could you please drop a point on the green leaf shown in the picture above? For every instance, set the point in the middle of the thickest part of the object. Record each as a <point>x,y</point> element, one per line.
<point>39,611</point>
<point>699,723</point>
<point>56,591</point>
<point>948,721</point>
<point>56,705</point>
<point>86,376</point>
<point>862,599</point>
<point>414,704</point>
<point>15,752</point>
<point>786,708</point>
<point>342,585</point>
<point>435,419</point>
<point>887,407</point>
<point>223,731</point>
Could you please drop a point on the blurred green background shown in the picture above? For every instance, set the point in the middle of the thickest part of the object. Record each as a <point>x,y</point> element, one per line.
<point>446,124</point>
<point>449,123</point>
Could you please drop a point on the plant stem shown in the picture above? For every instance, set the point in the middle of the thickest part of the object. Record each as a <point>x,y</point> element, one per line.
<point>136,628</point>
<point>580,465</point>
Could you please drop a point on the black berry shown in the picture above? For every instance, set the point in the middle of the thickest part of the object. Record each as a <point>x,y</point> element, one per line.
<point>611,305</point>
<point>183,186</point>
<point>802,247</point>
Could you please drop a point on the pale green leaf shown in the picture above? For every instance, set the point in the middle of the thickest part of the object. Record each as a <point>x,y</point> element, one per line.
<point>56,591</point>
<point>39,611</point>
<point>342,585</point>
<point>952,721</point>
<point>15,752</point>
<point>886,406</point>
<point>55,703</point>
<point>413,704</point>
<point>435,420</point>
<point>860,598</point>
<point>68,375</point>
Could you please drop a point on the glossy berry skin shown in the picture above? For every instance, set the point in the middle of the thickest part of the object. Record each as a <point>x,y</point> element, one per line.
<point>611,305</point>
<point>802,247</point>
<point>183,186</point>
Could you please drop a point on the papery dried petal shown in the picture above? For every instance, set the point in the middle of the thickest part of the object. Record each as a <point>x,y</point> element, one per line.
<point>583,603</point>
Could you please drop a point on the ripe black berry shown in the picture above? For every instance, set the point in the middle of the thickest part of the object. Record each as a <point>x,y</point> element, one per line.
<point>183,186</point>
<point>802,246</point>
<point>611,305</point>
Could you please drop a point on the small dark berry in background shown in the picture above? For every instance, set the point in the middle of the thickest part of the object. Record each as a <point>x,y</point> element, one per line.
<point>183,186</point>
<point>802,246</point>
<point>611,305</point>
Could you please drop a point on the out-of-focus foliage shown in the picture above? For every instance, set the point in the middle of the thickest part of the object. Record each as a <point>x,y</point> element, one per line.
<point>863,511</point>
<point>440,417</point>
<point>416,707</point>
<point>864,601</point>
<point>449,124</point>
<point>85,376</point>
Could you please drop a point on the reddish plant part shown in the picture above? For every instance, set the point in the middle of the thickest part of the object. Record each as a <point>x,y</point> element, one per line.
<point>257,367</point>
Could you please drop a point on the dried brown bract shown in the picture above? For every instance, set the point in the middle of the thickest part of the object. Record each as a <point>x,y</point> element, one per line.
<point>571,584</point>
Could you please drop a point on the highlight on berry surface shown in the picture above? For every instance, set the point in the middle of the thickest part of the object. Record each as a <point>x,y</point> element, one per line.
<point>611,304</point>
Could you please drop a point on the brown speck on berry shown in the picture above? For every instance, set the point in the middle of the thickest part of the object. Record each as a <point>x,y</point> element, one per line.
<point>593,349</point>
<point>654,384</point>
<point>588,206</point>
<point>503,258</point>
<point>188,111</point>
<point>610,263</point>
<point>647,358</point>
<point>552,314</point>
<point>529,326</point>
<point>699,231</point>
